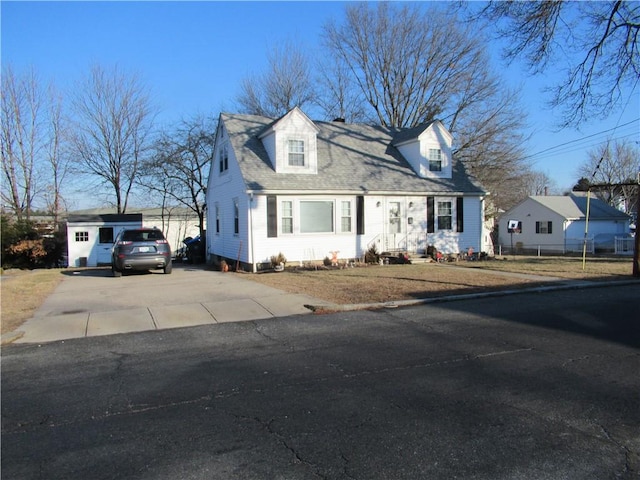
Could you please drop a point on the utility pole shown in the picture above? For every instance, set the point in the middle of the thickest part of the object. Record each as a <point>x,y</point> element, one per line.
<point>636,243</point>
<point>636,249</point>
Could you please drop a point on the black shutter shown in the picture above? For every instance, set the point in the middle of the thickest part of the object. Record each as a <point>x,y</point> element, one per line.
<point>360,215</point>
<point>431,216</point>
<point>459,214</point>
<point>537,227</point>
<point>549,228</point>
<point>272,216</point>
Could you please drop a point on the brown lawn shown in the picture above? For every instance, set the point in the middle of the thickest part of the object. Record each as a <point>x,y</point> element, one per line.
<point>374,284</point>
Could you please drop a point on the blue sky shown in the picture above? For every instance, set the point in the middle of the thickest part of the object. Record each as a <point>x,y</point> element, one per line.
<point>194,54</point>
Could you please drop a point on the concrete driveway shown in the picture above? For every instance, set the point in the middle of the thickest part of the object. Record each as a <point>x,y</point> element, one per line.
<point>92,302</point>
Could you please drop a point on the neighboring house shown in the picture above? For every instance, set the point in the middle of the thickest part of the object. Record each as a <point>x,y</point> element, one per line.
<point>177,223</point>
<point>308,189</point>
<point>90,233</point>
<point>557,223</point>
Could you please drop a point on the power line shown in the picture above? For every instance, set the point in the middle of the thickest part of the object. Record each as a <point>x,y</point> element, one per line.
<point>575,148</point>
<point>581,139</point>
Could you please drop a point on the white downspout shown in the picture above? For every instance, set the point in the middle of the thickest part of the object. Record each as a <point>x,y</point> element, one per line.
<point>253,263</point>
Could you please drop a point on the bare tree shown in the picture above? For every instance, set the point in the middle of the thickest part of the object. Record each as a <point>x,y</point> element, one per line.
<point>179,168</point>
<point>114,116</point>
<point>602,37</point>
<point>613,166</point>
<point>413,65</point>
<point>338,97</point>
<point>285,84</point>
<point>408,64</point>
<point>21,141</point>
<point>56,156</point>
<point>540,183</point>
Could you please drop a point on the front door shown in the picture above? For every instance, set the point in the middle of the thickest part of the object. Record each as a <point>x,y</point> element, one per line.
<point>394,227</point>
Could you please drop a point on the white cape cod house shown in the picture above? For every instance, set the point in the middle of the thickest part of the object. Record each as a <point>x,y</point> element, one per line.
<point>308,189</point>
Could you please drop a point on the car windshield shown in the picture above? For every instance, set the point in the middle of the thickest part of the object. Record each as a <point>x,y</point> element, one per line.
<point>142,235</point>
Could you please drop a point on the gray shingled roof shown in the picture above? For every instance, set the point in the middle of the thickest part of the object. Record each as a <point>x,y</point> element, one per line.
<point>351,158</point>
<point>575,207</point>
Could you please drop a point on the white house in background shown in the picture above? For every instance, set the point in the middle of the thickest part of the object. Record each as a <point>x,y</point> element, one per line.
<point>307,189</point>
<point>557,223</point>
<point>90,233</point>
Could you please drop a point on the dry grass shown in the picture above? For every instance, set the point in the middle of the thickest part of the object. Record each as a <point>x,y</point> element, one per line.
<point>563,267</point>
<point>375,284</point>
<point>23,291</point>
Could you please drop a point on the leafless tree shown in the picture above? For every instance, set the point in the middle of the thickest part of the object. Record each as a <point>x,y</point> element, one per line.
<point>56,156</point>
<point>413,65</point>
<point>113,119</point>
<point>338,97</point>
<point>410,65</point>
<point>286,83</point>
<point>602,37</point>
<point>179,168</point>
<point>613,165</point>
<point>540,183</point>
<point>21,141</point>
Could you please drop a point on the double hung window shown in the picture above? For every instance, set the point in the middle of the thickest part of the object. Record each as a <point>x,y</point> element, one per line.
<point>544,228</point>
<point>287,217</point>
<point>435,160</point>
<point>345,217</point>
<point>444,215</point>
<point>295,151</point>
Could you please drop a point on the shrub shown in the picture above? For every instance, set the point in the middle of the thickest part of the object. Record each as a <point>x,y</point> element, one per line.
<point>372,255</point>
<point>277,260</point>
<point>22,246</point>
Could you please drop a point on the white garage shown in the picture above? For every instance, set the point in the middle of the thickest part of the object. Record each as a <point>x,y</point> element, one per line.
<point>90,237</point>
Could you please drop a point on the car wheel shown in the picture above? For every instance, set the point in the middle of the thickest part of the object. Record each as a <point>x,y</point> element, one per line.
<point>168,268</point>
<point>115,271</point>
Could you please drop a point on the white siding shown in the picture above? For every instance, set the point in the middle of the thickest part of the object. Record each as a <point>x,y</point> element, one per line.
<point>529,212</point>
<point>453,242</point>
<point>304,247</point>
<point>413,154</point>
<point>222,189</point>
<point>269,143</point>
<point>176,227</point>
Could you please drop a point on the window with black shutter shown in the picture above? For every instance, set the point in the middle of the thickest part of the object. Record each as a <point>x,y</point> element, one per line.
<point>360,215</point>
<point>459,214</point>
<point>431,218</point>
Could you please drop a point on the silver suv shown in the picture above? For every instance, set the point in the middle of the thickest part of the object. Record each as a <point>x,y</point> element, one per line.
<point>140,249</point>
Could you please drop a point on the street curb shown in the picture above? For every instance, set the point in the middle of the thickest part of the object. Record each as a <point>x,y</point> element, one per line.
<point>11,337</point>
<point>564,285</point>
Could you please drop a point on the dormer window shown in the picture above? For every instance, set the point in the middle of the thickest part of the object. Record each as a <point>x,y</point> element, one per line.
<point>427,148</point>
<point>291,143</point>
<point>295,151</point>
<point>435,160</point>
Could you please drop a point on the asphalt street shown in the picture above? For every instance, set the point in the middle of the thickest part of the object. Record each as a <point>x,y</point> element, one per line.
<point>533,386</point>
